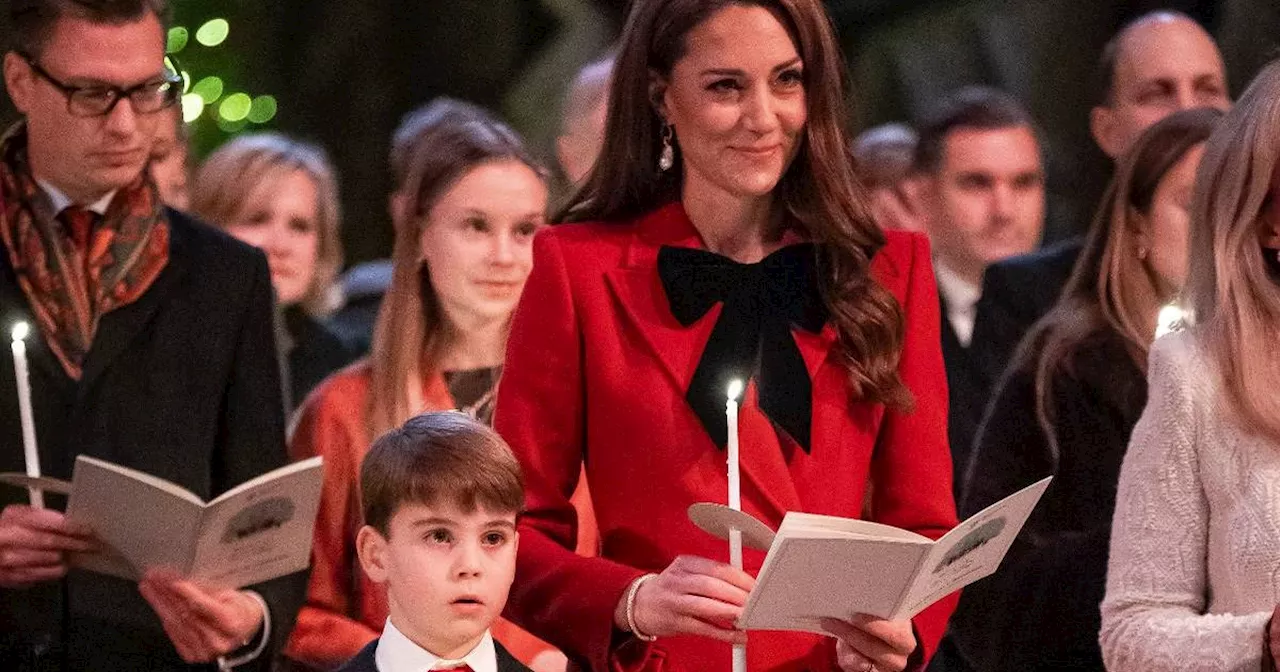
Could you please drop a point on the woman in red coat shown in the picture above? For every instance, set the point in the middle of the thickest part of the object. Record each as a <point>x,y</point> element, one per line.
<point>722,235</point>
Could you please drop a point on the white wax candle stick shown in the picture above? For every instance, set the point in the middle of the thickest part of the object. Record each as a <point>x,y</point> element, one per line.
<point>30,452</point>
<point>731,414</point>
<point>735,503</point>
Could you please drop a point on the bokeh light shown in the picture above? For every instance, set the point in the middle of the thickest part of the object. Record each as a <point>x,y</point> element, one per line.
<point>192,107</point>
<point>235,107</point>
<point>210,89</point>
<point>263,109</point>
<point>213,32</point>
<point>231,127</point>
<point>178,38</point>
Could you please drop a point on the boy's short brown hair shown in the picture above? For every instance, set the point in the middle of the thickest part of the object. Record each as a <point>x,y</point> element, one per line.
<point>436,458</point>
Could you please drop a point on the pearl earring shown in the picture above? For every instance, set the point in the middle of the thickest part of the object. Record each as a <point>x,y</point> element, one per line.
<point>667,158</point>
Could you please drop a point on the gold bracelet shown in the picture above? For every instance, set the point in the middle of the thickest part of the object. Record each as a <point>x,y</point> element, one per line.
<point>631,609</point>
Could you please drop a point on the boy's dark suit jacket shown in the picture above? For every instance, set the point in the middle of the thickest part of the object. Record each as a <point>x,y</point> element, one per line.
<point>184,384</point>
<point>364,661</point>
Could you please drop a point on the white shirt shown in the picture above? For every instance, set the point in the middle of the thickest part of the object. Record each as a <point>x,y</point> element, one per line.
<point>398,653</point>
<point>962,301</point>
<point>60,200</point>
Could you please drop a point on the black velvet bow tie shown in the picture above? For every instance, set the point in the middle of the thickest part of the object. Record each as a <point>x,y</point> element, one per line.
<point>753,333</point>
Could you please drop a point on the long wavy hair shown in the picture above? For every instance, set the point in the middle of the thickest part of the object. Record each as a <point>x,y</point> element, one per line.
<point>820,193</point>
<point>1112,288</point>
<point>1234,299</point>
<point>433,148</point>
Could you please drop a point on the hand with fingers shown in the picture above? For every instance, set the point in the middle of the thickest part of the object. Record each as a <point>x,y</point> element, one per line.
<point>202,623</point>
<point>34,544</point>
<point>866,643</point>
<point>692,596</point>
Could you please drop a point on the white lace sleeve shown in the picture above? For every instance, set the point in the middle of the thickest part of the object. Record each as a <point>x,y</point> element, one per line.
<point>1153,616</point>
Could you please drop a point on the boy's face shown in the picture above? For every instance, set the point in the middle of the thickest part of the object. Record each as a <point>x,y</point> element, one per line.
<point>447,572</point>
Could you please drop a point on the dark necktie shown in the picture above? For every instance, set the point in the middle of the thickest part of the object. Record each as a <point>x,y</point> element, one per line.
<point>753,333</point>
<point>79,223</point>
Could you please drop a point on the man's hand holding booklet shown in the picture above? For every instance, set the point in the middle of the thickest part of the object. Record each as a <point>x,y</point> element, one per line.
<point>255,532</point>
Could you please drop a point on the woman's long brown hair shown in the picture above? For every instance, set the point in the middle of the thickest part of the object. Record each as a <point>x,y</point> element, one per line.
<point>819,193</point>
<point>434,147</point>
<point>1112,290</point>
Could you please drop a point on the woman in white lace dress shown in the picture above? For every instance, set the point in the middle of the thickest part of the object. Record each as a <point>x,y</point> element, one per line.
<point>1194,574</point>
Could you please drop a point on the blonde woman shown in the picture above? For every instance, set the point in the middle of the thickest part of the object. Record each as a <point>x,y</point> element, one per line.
<point>1192,581</point>
<point>1066,409</point>
<point>280,195</point>
<point>469,199</point>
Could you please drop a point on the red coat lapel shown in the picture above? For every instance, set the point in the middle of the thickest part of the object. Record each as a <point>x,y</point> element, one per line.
<point>639,291</point>
<point>643,302</point>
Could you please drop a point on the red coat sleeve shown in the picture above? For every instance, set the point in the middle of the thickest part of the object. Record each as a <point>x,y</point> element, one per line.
<point>911,469</point>
<point>566,599</point>
<point>326,634</point>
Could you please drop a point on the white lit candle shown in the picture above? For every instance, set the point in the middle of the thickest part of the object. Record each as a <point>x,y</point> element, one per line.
<point>29,450</point>
<point>1171,317</point>
<point>735,503</point>
<point>731,414</point>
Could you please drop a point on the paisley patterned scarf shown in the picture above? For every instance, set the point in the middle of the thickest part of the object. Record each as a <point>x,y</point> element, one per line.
<point>69,288</point>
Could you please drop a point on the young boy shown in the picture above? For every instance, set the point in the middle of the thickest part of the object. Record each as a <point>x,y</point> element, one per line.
<point>440,497</point>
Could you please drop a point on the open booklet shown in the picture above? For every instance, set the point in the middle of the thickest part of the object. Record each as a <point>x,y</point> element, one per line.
<point>254,532</point>
<point>827,567</point>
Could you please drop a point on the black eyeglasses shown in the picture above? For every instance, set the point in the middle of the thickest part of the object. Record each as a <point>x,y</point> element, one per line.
<point>96,101</point>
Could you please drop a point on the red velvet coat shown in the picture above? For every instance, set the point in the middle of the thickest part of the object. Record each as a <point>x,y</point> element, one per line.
<point>597,368</point>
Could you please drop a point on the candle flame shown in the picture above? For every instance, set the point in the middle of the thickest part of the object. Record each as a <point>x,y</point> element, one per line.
<point>735,389</point>
<point>20,331</point>
<point>1170,319</point>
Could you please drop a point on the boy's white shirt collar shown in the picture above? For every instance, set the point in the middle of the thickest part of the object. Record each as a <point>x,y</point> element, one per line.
<point>397,653</point>
<point>59,200</point>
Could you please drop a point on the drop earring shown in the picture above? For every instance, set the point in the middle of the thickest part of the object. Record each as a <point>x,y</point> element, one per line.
<point>668,156</point>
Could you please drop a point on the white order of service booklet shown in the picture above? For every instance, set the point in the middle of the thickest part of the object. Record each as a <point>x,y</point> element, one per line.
<point>254,532</point>
<point>829,567</point>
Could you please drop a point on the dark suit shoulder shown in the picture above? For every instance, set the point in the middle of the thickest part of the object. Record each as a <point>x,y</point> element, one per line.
<point>217,266</point>
<point>1054,262</point>
<point>201,241</point>
<point>508,662</point>
<point>363,661</point>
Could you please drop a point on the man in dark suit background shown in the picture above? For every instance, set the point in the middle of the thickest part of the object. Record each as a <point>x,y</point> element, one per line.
<point>152,347</point>
<point>1158,64</point>
<point>981,194</point>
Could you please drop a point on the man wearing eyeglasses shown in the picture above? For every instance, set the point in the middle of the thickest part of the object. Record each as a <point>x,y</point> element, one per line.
<point>152,347</point>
